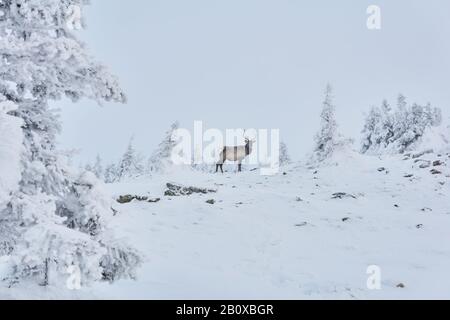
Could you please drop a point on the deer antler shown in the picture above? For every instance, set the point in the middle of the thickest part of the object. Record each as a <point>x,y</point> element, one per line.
<point>245,136</point>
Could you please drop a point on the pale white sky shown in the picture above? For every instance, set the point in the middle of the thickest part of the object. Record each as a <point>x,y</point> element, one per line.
<point>255,63</point>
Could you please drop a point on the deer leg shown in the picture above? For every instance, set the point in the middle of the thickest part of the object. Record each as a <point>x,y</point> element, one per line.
<point>220,163</point>
<point>224,158</point>
<point>239,167</point>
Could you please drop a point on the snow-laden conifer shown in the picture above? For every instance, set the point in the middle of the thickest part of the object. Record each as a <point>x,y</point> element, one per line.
<point>56,217</point>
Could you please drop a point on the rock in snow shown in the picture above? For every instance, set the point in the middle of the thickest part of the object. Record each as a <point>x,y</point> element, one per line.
<point>129,198</point>
<point>342,195</point>
<point>174,190</point>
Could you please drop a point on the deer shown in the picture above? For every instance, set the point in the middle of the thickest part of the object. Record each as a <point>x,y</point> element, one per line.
<point>236,153</point>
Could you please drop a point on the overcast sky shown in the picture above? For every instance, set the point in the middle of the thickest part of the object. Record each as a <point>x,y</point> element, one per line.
<point>255,64</point>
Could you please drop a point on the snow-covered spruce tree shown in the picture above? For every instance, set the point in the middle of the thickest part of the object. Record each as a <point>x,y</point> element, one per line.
<point>97,168</point>
<point>161,157</point>
<point>326,138</point>
<point>11,148</point>
<point>285,159</point>
<point>130,165</point>
<point>56,217</point>
<point>88,167</point>
<point>379,128</point>
<point>387,126</point>
<point>400,117</point>
<point>111,173</point>
<point>371,132</point>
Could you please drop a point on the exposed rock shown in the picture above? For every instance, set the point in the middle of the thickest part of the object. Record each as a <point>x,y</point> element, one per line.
<point>434,171</point>
<point>125,199</point>
<point>345,219</point>
<point>211,201</point>
<point>401,286</point>
<point>298,199</point>
<point>437,163</point>
<point>303,224</point>
<point>129,198</point>
<point>342,195</point>
<point>427,209</point>
<point>410,175</point>
<point>419,226</point>
<point>174,190</point>
<point>420,154</point>
<point>381,169</point>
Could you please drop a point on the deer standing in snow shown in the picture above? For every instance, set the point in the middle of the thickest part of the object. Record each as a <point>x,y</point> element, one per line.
<point>237,153</point>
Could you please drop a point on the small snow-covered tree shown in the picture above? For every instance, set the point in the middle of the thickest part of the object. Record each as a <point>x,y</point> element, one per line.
<point>436,119</point>
<point>371,131</point>
<point>400,116</point>
<point>55,218</point>
<point>111,173</point>
<point>88,167</point>
<point>97,169</point>
<point>130,165</point>
<point>387,126</point>
<point>413,122</point>
<point>379,128</point>
<point>161,158</point>
<point>418,119</point>
<point>326,138</point>
<point>285,159</point>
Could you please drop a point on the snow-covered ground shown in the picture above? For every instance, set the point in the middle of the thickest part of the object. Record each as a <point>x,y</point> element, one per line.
<point>287,236</point>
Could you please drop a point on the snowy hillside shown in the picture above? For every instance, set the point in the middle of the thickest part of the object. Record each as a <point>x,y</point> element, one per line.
<point>306,233</point>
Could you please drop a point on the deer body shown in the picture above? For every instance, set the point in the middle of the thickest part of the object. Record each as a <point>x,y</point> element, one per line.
<point>237,154</point>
